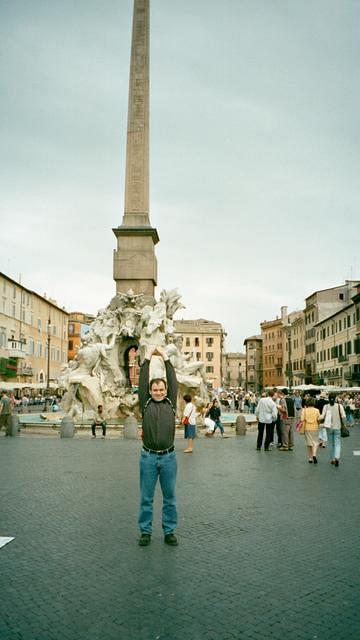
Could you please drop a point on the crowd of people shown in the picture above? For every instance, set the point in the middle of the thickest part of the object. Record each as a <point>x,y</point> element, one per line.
<point>322,419</point>
<point>279,412</point>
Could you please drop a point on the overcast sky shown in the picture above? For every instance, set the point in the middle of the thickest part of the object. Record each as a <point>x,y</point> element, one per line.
<point>254,150</point>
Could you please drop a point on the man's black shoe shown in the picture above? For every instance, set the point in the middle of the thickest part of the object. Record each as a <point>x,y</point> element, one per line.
<point>144,539</point>
<point>171,539</point>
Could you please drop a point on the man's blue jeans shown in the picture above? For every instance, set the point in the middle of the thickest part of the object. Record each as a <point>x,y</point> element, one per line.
<point>218,423</point>
<point>152,467</point>
<point>335,443</point>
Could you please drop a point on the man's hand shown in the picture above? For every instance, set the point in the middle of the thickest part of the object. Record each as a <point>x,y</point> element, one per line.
<point>159,351</point>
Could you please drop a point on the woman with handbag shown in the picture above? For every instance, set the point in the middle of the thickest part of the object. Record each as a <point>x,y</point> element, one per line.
<point>333,417</point>
<point>189,422</point>
<point>310,417</point>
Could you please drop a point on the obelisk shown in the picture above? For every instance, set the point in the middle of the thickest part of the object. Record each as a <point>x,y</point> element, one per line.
<point>135,264</point>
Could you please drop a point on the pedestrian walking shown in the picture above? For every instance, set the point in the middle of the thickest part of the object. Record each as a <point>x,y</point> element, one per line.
<point>214,412</point>
<point>5,413</point>
<point>189,422</point>
<point>310,417</point>
<point>266,413</point>
<point>332,416</point>
<point>157,399</point>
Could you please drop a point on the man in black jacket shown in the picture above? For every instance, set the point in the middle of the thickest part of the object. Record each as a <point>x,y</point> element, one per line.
<point>157,400</point>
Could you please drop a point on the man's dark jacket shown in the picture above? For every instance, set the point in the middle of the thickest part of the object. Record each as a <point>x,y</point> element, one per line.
<point>158,418</point>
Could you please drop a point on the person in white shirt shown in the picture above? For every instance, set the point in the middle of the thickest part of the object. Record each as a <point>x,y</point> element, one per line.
<point>333,414</point>
<point>189,422</point>
<point>266,413</point>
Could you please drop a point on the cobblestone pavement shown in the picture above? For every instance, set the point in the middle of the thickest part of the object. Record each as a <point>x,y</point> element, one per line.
<point>269,544</point>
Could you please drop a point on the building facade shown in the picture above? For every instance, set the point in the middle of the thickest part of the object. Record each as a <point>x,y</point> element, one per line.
<point>204,340</point>
<point>254,363</point>
<point>338,346</point>
<point>294,349</point>
<point>274,340</point>
<point>33,335</point>
<point>234,370</point>
<point>318,306</point>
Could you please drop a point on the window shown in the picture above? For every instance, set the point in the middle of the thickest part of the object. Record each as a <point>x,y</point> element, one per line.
<point>349,321</point>
<point>39,325</point>
<point>14,292</point>
<point>3,341</point>
<point>341,296</point>
<point>71,345</point>
<point>54,330</point>
<point>209,342</point>
<point>187,340</point>
<point>340,325</point>
<point>196,342</point>
<point>209,356</point>
<point>198,355</point>
<point>348,348</point>
<point>209,369</point>
<point>13,311</point>
<point>39,349</point>
<point>30,346</point>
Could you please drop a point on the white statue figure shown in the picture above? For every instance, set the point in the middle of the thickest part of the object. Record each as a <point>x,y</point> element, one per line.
<point>172,302</point>
<point>190,374</point>
<point>98,373</point>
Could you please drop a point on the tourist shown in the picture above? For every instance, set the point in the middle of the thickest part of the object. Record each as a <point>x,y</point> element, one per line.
<point>214,412</point>
<point>189,422</point>
<point>266,413</point>
<point>158,459</point>
<point>332,416</point>
<point>310,416</point>
<point>99,422</point>
<point>283,421</point>
<point>320,404</point>
<point>288,423</point>
<point>297,404</point>
<point>5,413</point>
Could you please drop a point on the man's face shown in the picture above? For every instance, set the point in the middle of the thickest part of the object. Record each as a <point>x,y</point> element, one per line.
<point>158,391</point>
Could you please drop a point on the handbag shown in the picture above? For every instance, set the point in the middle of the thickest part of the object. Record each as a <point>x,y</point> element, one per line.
<point>186,419</point>
<point>344,431</point>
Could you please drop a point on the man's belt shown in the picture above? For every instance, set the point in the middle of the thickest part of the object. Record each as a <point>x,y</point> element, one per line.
<point>160,452</point>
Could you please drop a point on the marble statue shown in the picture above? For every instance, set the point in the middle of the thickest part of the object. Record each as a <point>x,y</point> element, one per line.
<point>99,373</point>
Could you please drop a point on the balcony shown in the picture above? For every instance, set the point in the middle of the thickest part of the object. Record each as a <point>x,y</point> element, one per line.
<point>15,352</point>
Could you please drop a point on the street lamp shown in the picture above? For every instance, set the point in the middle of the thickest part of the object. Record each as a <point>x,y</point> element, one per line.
<point>48,362</point>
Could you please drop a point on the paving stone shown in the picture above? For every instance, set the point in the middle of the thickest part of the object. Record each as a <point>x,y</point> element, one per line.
<point>268,544</point>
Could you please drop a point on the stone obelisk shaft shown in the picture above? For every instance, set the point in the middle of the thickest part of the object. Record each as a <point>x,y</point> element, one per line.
<point>135,264</point>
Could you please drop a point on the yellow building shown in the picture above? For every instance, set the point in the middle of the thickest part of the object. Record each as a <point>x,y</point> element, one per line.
<point>204,339</point>
<point>29,325</point>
